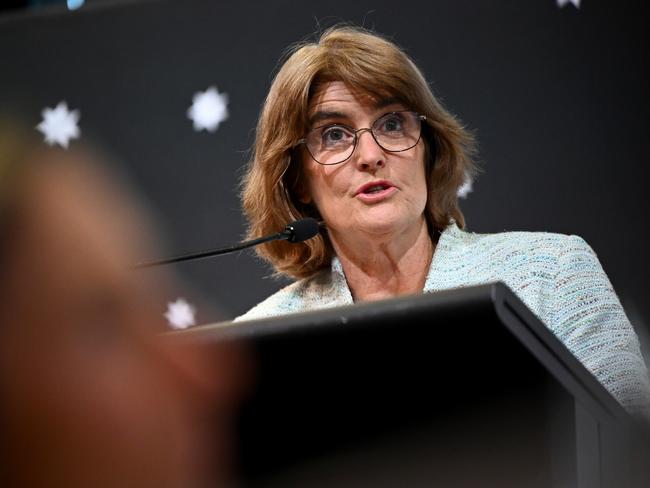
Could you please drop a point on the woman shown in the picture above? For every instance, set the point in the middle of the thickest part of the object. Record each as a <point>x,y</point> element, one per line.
<point>91,395</point>
<point>351,134</point>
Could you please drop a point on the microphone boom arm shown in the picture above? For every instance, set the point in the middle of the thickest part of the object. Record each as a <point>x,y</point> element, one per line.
<point>297,231</point>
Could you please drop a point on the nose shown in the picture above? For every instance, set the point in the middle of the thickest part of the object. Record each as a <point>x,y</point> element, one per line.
<point>369,155</point>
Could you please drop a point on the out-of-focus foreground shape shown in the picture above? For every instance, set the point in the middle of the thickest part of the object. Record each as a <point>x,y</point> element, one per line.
<point>92,393</point>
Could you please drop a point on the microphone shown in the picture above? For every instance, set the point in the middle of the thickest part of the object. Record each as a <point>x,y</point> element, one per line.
<point>295,232</point>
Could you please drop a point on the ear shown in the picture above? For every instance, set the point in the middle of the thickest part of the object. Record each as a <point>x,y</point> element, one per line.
<point>300,188</point>
<point>303,195</point>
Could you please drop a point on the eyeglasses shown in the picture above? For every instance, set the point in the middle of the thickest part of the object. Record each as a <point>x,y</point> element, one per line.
<point>393,132</point>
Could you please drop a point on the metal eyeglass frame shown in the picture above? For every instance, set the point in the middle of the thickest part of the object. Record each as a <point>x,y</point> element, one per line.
<point>356,132</point>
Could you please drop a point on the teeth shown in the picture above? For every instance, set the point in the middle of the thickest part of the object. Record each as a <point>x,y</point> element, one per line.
<point>375,189</point>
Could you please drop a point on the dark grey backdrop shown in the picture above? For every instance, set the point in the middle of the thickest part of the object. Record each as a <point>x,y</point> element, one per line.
<point>557,97</point>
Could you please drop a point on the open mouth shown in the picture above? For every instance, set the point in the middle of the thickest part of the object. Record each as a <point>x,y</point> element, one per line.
<point>376,191</point>
<point>375,187</point>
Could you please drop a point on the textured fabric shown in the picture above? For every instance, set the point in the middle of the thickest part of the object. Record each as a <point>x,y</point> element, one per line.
<point>558,277</point>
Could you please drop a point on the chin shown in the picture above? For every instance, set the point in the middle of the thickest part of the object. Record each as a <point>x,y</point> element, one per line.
<point>389,220</point>
<point>383,226</point>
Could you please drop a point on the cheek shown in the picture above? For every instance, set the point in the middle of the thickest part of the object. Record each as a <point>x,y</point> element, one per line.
<point>421,179</point>
<point>326,186</point>
<point>423,190</point>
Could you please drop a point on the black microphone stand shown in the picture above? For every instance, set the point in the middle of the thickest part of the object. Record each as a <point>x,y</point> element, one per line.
<point>297,231</point>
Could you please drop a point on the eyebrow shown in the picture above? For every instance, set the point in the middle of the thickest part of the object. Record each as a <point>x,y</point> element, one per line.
<point>324,115</point>
<point>333,114</point>
<point>385,102</point>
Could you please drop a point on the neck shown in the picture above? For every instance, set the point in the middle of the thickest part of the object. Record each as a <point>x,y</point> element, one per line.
<point>378,267</point>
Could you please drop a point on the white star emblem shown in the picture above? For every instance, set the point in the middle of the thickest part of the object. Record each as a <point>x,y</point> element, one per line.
<point>180,314</point>
<point>563,3</point>
<point>75,4</point>
<point>466,188</point>
<point>59,125</point>
<point>208,109</point>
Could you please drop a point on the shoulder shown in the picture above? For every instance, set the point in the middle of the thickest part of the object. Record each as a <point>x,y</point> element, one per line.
<point>535,265</point>
<point>547,270</point>
<point>522,255</point>
<point>298,296</point>
<point>523,244</point>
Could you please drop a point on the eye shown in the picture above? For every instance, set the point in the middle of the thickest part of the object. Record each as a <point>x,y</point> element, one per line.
<point>391,123</point>
<point>335,135</point>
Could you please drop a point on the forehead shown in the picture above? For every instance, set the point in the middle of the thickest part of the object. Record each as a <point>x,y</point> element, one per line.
<point>338,94</point>
<point>335,91</point>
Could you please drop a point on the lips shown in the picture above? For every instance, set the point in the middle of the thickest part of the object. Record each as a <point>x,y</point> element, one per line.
<point>374,187</point>
<point>375,191</point>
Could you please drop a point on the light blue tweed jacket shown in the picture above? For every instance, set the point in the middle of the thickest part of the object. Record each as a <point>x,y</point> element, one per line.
<point>558,277</point>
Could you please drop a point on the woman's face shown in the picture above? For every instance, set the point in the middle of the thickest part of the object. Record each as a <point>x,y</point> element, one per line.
<point>344,193</point>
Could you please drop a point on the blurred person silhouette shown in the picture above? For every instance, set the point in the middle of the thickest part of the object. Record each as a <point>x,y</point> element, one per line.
<point>91,394</point>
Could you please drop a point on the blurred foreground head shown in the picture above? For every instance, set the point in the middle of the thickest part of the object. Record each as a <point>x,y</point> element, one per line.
<point>91,394</point>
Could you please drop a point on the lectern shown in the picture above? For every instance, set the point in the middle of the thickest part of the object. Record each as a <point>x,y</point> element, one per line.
<point>458,388</point>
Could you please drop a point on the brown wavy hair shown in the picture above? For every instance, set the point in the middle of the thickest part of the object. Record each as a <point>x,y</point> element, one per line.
<point>374,66</point>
